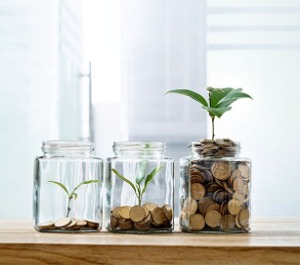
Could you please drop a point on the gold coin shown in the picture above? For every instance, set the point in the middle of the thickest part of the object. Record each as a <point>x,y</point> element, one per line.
<point>234,206</point>
<point>113,222</point>
<point>238,184</point>
<point>80,223</point>
<point>62,222</point>
<point>46,225</point>
<point>123,212</point>
<point>212,218</point>
<point>227,222</point>
<point>189,206</point>
<point>244,217</point>
<point>245,170</point>
<point>221,170</point>
<point>158,216</point>
<point>197,222</point>
<point>197,191</point>
<point>73,223</point>
<point>168,212</point>
<point>125,224</point>
<point>138,213</point>
<point>92,224</point>
<point>150,206</point>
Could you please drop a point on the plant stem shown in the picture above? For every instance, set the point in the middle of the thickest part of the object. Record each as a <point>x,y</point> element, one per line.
<point>213,127</point>
<point>68,208</point>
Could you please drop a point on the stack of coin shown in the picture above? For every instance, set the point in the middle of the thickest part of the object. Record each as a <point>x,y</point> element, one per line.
<point>68,224</point>
<point>217,148</point>
<point>218,197</point>
<point>148,217</point>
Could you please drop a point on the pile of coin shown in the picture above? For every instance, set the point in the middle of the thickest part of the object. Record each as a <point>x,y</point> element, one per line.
<point>217,196</point>
<point>147,217</point>
<point>68,224</point>
<point>217,148</point>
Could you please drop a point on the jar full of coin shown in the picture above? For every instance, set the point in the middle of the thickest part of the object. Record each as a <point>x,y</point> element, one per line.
<point>67,188</point>
<point>215,188</point>
<point>139,188</point>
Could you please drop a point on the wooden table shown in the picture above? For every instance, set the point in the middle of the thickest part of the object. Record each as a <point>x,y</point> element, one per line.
<point>271,241</point>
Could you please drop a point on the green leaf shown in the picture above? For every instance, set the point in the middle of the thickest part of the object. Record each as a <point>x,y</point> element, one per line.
<point>150,177</point>
<point>61,185</point>
<point>191,94</point>
<point>124,179</point>
<point>216,94</point>
<point>74,195</point>
<point>232,97</point>
<point>85,183</point>
<point>140,171</point>
<point>217,111</point>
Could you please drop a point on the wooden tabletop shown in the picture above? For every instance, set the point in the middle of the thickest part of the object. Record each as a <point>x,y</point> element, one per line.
<point>271,241</point>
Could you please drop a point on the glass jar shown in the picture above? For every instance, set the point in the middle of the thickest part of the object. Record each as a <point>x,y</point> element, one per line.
<point>215,188</point>
<point>67,188</point>
<point>140,188</point>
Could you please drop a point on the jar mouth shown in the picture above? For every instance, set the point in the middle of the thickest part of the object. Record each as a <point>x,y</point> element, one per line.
<point>217,148</point>
<point>67,145</point>
<point>128,146</point>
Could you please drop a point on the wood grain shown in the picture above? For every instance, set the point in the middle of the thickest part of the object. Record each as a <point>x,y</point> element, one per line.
<point>271,241</point>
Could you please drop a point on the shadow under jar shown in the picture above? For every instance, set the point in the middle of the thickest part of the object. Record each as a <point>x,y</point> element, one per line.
<point>67,188</point>
<point>140,189</point>
<point>215,188</point>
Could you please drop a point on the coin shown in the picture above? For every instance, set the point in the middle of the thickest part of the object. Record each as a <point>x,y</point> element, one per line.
<point>92,224</point>
<point>221,170</point>
<point>168,212</point>
<point>113,222</point>
<point>72,224</point>
<point>138,213</point>
<point>234,206</point>
<point>123,212</point>
<point>150,206</point>
<point>79,224</point>
<point>197,222</point>
<point>227,222</point>
<point>46,225</point>
<point>245,170</point>
<point>244,217</point>
<point>197,191</point>
<point>125,224</point>
<point>158,216</point>
<point>62,222</point>
<point>189,206</point>
<point>212,218</point>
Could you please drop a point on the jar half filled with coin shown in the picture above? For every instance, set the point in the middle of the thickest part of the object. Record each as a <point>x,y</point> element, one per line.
<point>139,189</point>
<point>67,188</point>
<point>215,188</point>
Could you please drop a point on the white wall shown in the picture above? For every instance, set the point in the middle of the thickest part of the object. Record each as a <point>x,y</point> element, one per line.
<point>258,49</point>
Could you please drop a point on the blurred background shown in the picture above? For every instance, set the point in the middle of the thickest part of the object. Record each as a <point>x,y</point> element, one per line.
<point>98,70</point>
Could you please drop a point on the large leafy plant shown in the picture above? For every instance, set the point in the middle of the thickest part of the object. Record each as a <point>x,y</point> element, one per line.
<point>141,179</point>
<point>219,100</point>
<point>72,195</point>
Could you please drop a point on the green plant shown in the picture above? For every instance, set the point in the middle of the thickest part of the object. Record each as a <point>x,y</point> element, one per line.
<point>73,194</point>
<point>219,100</point>
<point>141,178</point>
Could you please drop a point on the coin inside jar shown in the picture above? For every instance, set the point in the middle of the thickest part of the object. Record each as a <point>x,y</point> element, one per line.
<point>221,170</point>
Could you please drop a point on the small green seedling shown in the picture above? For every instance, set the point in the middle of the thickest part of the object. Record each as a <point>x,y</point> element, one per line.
<point>141,181</point>
<point>219,100</point>
<point>73,194</point>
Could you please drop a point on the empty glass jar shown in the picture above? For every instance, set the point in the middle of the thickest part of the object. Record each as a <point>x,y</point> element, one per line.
<point>215,188</point>
<point>140,188</point>
<point>67,188</point>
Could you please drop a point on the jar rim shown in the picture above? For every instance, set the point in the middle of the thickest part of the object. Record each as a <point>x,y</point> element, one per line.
<point>70,145</point>
<point>138,145</point>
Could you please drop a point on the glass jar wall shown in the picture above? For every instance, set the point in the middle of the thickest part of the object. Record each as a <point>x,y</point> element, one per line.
<point>140,188</point>
<point>215,188</point>
<point>67,188</point>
